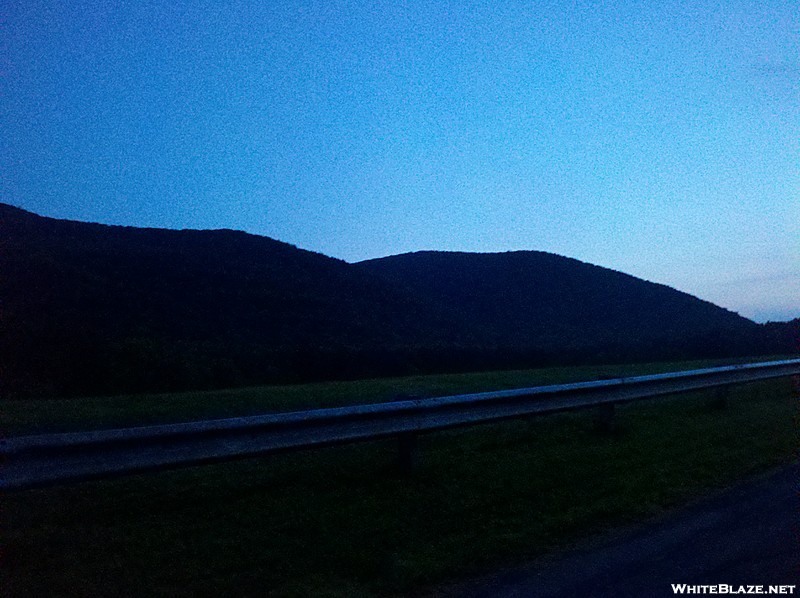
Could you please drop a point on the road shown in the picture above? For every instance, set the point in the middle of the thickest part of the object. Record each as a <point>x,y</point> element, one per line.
<point>747,535</point>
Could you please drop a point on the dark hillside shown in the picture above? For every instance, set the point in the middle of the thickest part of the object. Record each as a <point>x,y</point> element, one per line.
<point>536,300</point>
<point>89,307</point>
<point>785,336</point>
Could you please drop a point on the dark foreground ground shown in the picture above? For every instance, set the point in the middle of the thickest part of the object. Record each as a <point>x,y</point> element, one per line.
<point>339,522</point>
<point>747,535</point>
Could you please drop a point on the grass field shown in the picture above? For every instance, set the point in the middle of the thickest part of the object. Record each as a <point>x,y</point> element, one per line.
<point>342,522</point>
<point>38,416</point>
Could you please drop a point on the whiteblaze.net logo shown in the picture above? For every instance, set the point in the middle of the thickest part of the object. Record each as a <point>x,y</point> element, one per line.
<point>723,588</point>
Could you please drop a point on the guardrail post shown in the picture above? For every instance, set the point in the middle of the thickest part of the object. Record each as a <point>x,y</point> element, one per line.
<point>719,397</point>
<point>406,441</point>
<point>604,418</point>
<point>406,452</point>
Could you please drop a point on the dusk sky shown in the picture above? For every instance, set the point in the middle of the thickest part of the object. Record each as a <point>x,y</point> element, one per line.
<point>661,139</point>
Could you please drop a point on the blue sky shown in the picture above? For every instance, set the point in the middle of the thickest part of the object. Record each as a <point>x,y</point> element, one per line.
<point>661,139</point>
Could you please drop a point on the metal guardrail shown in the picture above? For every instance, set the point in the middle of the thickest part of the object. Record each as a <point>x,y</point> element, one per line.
<point>30,461</point>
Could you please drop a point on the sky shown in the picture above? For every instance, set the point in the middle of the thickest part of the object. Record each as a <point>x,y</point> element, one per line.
<point>661,139</point>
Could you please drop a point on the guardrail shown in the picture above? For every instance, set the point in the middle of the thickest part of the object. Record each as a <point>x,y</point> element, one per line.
<point>29,461</point>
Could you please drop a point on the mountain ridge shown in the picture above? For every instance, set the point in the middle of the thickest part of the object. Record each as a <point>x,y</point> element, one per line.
<point>542,288</point>
<point>94,308</point>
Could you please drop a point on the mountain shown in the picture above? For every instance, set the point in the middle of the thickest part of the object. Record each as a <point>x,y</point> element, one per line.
<point>96,308</point>
<point>785,336</point>
<point>90,308</point>
<point>536,300</point>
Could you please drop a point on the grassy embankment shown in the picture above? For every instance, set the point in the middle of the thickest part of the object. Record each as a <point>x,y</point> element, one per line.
<point>340,522</point>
